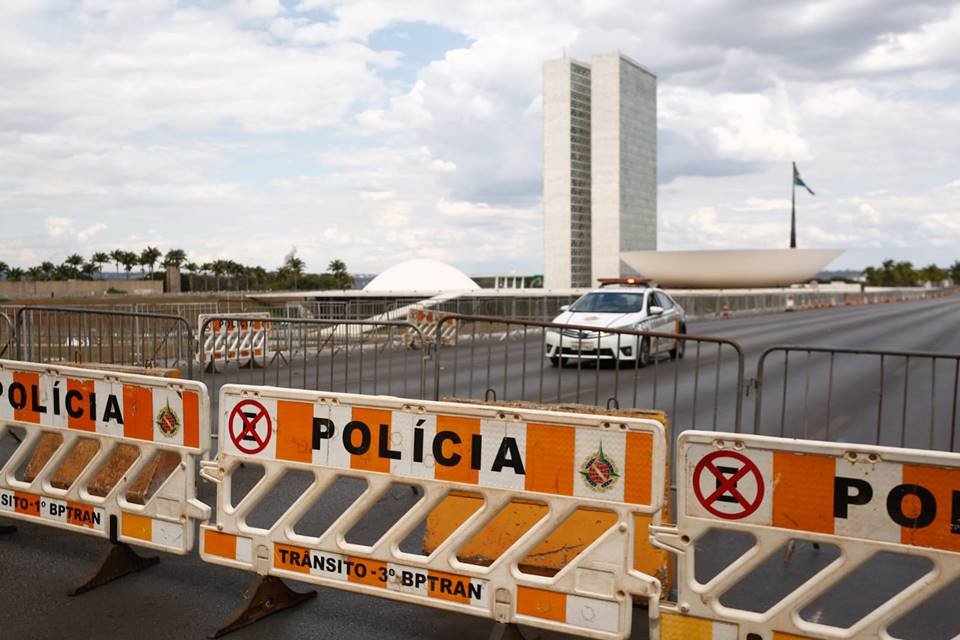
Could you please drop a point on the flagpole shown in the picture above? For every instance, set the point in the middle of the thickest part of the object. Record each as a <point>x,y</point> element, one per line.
<point>793,208</point>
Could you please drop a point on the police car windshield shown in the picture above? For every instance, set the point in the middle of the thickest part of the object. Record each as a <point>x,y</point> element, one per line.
<point>608,302</point>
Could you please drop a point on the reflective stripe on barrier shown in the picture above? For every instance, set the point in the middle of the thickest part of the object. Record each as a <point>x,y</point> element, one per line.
<point>675,625</point>
<point>862,500</point>
<point>234,340</point>
<point>101,447</point>
<point>562,461</point>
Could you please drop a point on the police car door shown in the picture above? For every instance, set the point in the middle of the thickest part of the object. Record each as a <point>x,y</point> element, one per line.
<point>666,321</point>
<point>652,322</point>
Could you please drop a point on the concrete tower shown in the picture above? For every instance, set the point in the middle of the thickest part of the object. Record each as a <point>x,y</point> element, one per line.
<point>599,167</point>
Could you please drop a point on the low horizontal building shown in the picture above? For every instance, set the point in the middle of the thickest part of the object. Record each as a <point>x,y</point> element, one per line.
<point>730,269</point>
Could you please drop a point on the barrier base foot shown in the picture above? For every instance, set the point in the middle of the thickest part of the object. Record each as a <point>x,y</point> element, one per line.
<point>7,528</point>
<point>506,631</point>
<point>120,561</point>
<point>266,596</point>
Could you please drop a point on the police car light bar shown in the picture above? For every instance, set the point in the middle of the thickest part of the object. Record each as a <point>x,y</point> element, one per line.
<point>632,281</point>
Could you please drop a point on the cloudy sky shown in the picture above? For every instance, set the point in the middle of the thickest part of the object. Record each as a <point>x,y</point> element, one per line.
<point>378,130</point>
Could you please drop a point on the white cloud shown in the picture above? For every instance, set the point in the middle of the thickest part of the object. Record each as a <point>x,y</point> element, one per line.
<point>240,130</point>
<point>60,228</point>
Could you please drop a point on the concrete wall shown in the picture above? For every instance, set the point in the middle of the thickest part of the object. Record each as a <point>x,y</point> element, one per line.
<point>69,288</point>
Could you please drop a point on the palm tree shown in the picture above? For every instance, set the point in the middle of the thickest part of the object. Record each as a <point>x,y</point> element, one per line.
<point>15,274</point>
<point>295,266</point>
<point>175,258</point>
<point>259,275</point>
<point>338,269</point>
<point>218,267</point>
<point>64,272</point>
<point>236,270</point>
<point>148,257</point>
<point>129,260</point>
<point>4,268</point>
<point>206,269</point>
<point>48,269</point>
<point>35,273</point>
<point>117,255</point>
<point>71,266</point>
<point>191,268</point>
<point>100,258</point>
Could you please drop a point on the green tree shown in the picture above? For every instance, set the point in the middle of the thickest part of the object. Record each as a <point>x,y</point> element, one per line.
<point>219,268</point>
<point>258,275</point>
<point>117,256</point>
<point>4,268</point>
<point>15,274</point>
<point>933,274</point>
<point>206,269</point>
<point>148,258</point>
<point>191,268</point>
<point>100,258</point>
<point>48,269</point>
<point>341,278</point>
<point>294,266</point>
<point>36,273</point>
<point>174,258</point>
<point>70,267</point>
<point>955,273</point>
<point>129,259</point>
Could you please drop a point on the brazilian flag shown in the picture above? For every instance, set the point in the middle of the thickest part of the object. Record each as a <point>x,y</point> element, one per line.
<point>798,181</point>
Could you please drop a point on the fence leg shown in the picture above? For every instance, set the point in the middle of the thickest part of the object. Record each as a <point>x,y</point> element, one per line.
<point>121,560</point>
<point>506,631</point>
<point>266,596</point>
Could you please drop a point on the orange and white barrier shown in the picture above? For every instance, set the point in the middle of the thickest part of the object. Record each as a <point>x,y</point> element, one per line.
<point>564,461</point>
<point>429,322</point>
<point>864,500</point>
<point>242,338</point>
<point>156,416</point>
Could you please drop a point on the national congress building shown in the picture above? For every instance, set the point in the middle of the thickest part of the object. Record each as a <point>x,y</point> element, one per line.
<point>599,167</point>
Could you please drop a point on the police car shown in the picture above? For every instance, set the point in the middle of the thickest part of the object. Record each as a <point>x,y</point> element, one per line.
<point>621,303</point>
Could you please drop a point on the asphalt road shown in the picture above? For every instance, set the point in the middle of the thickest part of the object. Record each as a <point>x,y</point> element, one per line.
<point>182,597</point>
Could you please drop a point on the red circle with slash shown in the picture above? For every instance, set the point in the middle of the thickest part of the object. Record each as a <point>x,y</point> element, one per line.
<point>250,426</point>
<point>727,479</point>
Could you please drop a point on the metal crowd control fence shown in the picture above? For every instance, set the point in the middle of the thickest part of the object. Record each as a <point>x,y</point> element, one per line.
<point>106,454</point>
<point>6,336</point>
<point>347,309</point>
<point>355,356</point>
<point>823,540</point>
<point>70,334</point>
<point>576,468</point>
<point>900,414</point>
<point>697,380</point>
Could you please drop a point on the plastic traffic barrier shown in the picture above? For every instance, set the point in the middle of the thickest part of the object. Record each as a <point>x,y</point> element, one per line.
<point>106,454</point>
<point>568,463</point>
<point>245,341</point>
<point>877,505</point>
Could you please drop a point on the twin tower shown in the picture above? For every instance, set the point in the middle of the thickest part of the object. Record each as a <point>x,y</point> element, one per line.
<point>599,167</point>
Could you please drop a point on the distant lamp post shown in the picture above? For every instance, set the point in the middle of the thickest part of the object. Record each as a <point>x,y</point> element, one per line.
<point>797,182</point>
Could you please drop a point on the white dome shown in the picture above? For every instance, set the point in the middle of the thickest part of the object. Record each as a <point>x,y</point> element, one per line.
<point>421,275</point>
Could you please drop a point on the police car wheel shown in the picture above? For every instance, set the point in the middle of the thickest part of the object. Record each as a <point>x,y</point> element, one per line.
<point>643,357</point>
<point>680,348</point>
